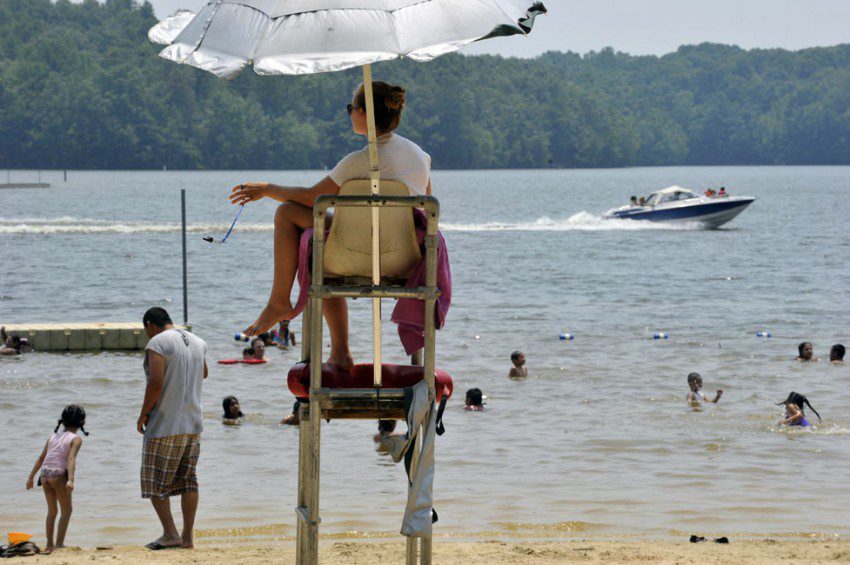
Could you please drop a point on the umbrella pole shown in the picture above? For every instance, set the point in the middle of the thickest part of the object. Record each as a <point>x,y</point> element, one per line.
<point>375,176</point>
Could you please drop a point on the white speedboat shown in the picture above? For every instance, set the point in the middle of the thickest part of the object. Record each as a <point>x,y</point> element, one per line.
<point>677,204</point>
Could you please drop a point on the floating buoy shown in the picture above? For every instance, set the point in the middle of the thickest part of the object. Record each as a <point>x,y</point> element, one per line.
<point>242,337</point>
<point>565,337</point>
<point>660,335</point>
<point>764,334</point>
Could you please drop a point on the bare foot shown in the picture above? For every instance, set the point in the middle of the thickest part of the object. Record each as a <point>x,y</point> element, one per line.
<point>272,314</point>
<point>48,550</point>
<point>342,360</point>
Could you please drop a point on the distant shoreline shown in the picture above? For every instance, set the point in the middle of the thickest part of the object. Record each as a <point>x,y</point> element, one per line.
<point>437,170</point>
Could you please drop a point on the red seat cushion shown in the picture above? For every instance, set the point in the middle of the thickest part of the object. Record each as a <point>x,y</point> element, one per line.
<point>360,376</point>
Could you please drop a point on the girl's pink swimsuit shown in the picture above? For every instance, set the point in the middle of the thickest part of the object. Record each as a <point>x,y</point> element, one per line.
<point>56,461</point>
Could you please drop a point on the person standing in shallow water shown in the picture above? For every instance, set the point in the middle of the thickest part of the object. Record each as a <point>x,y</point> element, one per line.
<point>399,159</point>
<point>518,371</point>
<point>170,420</point>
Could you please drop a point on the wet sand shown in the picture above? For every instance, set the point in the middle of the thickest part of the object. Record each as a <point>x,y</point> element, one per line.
<point>493,551</point>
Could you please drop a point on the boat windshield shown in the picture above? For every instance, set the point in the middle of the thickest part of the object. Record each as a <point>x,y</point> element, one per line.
<point>662,197</point>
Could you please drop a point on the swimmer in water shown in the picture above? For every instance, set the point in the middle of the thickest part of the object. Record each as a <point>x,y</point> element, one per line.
<point>474,400</point>
<point>232,414</point>
<point>695,396</point>
<point>386,428</point>
<point>794,415</point>
<point>518,371</point>
<point>836,354</point>
<point>248,353</point>
<point>259,347</point>
<point>806,352</point>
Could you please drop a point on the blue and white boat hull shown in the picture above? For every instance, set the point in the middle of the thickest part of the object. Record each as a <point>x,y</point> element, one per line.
<point>710,212</point>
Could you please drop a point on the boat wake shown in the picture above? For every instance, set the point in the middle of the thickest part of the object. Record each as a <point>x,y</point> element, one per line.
<point>582,221</point>
<point>67,225</point>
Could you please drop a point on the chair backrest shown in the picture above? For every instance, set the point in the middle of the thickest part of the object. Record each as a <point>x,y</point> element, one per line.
<point>348,249</point>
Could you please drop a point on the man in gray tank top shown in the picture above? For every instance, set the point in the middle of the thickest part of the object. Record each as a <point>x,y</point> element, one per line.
<point>171,421</point>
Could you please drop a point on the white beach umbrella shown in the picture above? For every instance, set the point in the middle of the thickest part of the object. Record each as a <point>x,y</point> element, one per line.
<point>312,36</point>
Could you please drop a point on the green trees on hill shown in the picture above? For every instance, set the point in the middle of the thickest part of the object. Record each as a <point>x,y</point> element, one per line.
<point>81,87</point>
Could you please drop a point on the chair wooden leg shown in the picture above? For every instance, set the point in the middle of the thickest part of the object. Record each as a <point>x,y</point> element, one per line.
<point>412,554</point>
<point>301,510</point>
<point>314,423</point>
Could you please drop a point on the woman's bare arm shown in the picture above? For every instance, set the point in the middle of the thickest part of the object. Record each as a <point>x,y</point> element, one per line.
<point>252,191</point>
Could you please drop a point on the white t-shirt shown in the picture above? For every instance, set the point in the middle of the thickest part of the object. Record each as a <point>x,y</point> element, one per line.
<point>178,410</point>
<point>398,159</point>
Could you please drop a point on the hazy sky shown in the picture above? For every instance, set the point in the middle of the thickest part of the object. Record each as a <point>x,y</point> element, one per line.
<point>660,26</point>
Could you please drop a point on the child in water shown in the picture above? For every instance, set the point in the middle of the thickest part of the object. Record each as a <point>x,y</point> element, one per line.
<point>232,413</point>
<point>474,400</point>
<point>695,396</point>
<point>386,428</point>
<point>794,415</point>
<point>518,371</point>
<point>57,463</point>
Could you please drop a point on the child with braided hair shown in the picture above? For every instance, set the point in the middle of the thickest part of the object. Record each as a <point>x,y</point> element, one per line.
<point>57,463</point>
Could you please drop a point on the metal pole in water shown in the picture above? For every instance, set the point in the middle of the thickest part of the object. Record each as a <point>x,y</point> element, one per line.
<point>65,175</point>
<point>39,176</point>
<point>185,284</point>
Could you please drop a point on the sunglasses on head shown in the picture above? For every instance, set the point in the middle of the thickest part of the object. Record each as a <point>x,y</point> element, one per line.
<point>349,107</point>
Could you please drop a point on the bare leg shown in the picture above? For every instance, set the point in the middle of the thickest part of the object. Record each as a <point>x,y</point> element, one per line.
<point>64,498</point>
<point>336,315</point>
<point>50,496</point>
<point>170,536</point>
<point>189,505</point>
<point>289,221</point>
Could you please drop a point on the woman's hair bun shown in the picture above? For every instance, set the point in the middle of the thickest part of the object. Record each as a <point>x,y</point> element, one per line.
<point>395,98</point>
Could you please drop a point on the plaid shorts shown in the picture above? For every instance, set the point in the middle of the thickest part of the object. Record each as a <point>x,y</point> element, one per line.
<point>168,465</point>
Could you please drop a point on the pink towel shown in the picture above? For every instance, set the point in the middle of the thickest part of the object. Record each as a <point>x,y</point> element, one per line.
<point>408,313</point>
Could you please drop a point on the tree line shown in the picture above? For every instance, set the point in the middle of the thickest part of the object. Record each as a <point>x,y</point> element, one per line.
<point>81,87</point>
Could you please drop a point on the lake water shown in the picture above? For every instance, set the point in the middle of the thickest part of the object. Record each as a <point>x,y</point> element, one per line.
<point>598,439</point>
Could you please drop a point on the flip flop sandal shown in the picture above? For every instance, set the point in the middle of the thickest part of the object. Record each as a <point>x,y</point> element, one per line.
<point>156,546</point>
<point>697,539</point>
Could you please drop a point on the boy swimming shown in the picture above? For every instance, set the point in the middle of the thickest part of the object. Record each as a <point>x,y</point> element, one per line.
<point>695,396</point>
<point>518,371</point>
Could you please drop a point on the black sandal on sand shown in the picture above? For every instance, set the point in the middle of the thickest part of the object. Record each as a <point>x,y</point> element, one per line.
<point>724,539</point>
<point>156,546</point>
<point>696,539</point>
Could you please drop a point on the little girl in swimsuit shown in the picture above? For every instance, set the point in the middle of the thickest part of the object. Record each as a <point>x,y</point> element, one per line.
<point>794,415</point>
<point>57,462</point>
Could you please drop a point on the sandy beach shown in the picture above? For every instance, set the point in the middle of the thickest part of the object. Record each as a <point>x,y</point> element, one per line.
<point>493,551</point>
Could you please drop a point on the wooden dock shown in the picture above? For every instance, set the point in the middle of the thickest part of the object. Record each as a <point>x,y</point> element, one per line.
<point>92,336</point>
<point>24,185</point>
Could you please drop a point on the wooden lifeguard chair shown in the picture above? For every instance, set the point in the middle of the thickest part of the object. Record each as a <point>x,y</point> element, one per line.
<point>358,263</point>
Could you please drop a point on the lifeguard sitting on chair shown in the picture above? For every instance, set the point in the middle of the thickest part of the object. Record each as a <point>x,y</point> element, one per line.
<point>400,160</point>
